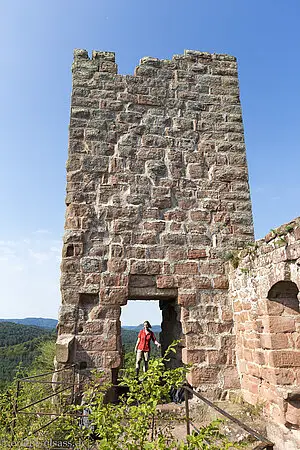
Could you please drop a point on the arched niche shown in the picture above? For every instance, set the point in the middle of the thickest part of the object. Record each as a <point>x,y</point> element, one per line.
<point>283,340</point>
<point>285,295</point>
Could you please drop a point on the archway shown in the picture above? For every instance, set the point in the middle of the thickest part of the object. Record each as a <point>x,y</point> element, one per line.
<point>284,340</point>
<point>166,321</point>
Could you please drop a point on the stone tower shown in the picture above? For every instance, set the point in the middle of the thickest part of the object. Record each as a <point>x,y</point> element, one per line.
<point>157,193</point>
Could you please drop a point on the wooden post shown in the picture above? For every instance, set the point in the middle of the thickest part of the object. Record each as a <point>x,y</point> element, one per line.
<point>187,412</point>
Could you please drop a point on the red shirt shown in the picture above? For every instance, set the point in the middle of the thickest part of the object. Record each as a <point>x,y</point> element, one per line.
<point>145,339</point>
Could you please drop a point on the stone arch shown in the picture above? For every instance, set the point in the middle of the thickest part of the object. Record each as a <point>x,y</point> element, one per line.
<point>279,324</point>
<point>282,305</point>
<point>284,293</point>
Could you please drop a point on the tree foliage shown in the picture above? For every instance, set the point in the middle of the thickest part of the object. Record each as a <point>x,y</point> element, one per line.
<point>20,345</point>
<point>132,424</point>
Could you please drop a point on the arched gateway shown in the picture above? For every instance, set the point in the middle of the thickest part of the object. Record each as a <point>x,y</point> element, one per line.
<point>157,193</point>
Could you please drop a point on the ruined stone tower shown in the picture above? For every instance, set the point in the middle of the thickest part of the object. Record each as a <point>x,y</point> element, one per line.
<point>157,193</point>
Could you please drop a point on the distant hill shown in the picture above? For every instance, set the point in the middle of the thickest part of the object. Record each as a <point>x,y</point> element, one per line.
<point>155,328</point>
<point>34,321</point>
<point>51,323</point>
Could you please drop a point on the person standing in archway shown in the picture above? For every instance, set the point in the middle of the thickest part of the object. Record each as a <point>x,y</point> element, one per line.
<point>142,346</point>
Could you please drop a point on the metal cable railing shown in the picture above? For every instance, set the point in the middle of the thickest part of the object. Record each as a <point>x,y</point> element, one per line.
<point>47,394</point>
<point>264,443</point>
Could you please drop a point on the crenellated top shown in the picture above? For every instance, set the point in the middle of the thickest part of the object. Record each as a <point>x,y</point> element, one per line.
<point>104,61</point>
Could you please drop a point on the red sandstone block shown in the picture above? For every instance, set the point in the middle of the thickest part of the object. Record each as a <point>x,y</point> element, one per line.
<point>117,279</point>
<point>200,216</point>
<point>243,317</point>
<point>221,217</point>
<point>105,312</point>
<point>122,225</point>
<point>176,226</point>
<point>71,281</point>
<point>231,378</point>
<point>200,375</point>
<point>97,342</point>
<point>250,384</point>
<point>187,299</point>
<point>281,324</point>
<point>148,100</point>
<point>220,282</point>
<point>197,254</point>
<point>274,341</point>
<point>186,204</point>
<point>135,252</point>
<point>166,268</point>
<point>285,358</point>
<point>156,226</point>
<point>193,356</point>
<point>145,238</point>
<point>165,281</point>
<point>259,357</point>
<point>273,308</point>
<point>228,342</point>
<point>249,397</point>
<point>177,254</point>
<point>145,267</point>
<point>212,267</point>
<point>253,369</point>
<point>114,296</point>
<point>188,268</point>
<point>285,376</point>
<point>246,306</point>
<point>237,306</point>
<point>73,223</point>
<point>202,282</point>
<point>227,315</point>
<point>174,239</point>
<point>184,314</point>
<point>269,374</point>
<point>92,278</point>
<point>216,357</point>
<point>117,265</point>
<point>185,282</point>
<point>71,265</point>
<point>253,343</point>
<point>215,327</point>
<point>178,215</point>
<point>157,252</point>
<point>116,251</point>
<point>297,233</point>
<point>191,326</point>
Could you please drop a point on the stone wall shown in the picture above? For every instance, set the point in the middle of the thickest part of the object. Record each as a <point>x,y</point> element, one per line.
<point>157,192</point>
<point>264,288</point>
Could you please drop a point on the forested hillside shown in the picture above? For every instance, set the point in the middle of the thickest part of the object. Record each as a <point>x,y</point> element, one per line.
<point>12,334</point>
<point>19,344</point>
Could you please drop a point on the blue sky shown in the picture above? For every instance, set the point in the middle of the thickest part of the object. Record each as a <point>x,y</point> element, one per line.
<point>37,38</point>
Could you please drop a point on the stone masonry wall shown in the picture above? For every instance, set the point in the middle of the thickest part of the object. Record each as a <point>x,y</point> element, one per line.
<point>157,191</point>
<point>264,288</point>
